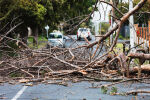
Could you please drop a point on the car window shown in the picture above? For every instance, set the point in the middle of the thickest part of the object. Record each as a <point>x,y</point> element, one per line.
<point>82,29</point>
<point>55,36</point>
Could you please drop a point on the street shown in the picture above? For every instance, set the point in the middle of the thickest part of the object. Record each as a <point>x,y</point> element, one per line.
<point>70,41</point>
<point>74,91</point>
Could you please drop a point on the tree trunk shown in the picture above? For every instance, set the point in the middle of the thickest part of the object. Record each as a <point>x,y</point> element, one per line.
<point>144,68</point>
<point>142,57</point>
<point>35,35</point>
<point>24,34</point>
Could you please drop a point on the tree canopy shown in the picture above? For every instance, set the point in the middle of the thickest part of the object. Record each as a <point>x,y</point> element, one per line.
<point>42,12</point>
<point>141,16</point>
<point>39,13</point>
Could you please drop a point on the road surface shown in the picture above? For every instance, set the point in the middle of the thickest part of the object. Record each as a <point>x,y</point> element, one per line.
<point>75,91</point>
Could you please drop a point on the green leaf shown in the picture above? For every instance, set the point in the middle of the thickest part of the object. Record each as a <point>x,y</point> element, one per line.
<point>113,90</point>
<point>104,89</point>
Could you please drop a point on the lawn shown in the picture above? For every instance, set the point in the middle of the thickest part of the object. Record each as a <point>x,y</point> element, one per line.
<point>42,41</point>
<point>118,48</point>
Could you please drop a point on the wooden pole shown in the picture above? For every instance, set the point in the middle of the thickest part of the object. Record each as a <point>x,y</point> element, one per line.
<point>140,38</point>
<point>149,33</point>
<point>137,35</point>
<point>146,35</point>
<point>139,69</point>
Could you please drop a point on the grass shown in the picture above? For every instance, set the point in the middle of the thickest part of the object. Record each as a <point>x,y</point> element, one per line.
<point>123,38</point>
<point>41,42</point>
<point>40,38</point>
<point>119,45</point>
<point>17,74</point>
<point>118,48</point>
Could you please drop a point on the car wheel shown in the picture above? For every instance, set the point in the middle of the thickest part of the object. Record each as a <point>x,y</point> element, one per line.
<point>79,38</point>
<point>89,38</point>
<point>64,46</point>
<point>47,46</point>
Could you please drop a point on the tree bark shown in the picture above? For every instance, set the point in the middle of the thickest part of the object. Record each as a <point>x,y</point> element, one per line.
<point>35,31</point>
<point>140,56</point>
<point>144,68</point>
<point>24,33</point>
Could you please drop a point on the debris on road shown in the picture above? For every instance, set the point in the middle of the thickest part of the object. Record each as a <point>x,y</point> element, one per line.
<point>78,62</point>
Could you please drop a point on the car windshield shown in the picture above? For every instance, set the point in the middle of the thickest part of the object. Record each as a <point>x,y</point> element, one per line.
<point>82,29</point>
<point>55,36</point>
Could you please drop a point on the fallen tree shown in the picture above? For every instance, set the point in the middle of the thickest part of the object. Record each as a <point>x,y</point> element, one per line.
<point>140,56</point>
<point>80,61</point>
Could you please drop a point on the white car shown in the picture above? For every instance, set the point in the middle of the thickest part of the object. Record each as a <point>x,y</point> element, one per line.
<point>83,33</point>
<point>56,39</point>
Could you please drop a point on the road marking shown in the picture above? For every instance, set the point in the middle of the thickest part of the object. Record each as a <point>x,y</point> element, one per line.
<point>19,93</point>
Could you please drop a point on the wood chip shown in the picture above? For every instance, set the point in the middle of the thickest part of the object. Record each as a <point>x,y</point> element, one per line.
<point>23,80</point>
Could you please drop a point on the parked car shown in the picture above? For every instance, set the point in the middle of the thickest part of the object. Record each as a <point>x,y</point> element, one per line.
<point>83,32</point>
<point>56,39</point>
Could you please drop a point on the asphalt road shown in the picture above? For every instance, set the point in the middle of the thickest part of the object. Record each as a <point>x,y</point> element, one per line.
<point>75,91</point>
<point>71,41</point>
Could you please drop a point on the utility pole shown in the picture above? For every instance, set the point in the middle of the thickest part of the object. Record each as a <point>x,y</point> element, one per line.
<point>131,24</point>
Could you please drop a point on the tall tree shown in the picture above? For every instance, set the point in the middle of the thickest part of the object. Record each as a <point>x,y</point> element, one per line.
<point>37,13</point>
<point>141,16</point>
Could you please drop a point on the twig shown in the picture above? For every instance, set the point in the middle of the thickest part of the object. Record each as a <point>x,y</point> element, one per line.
<point>96,50</point>
<point>71,55</point>
<point>21,70</point>
<point>135,92</point>
<point>75,66</point>
<point>11,30</point>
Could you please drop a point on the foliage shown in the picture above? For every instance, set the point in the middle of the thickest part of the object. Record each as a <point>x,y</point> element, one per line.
<point>9,48</point>
<point>104,27</point>
<point>111,91</point>
<point>17,74</point>
<point>42,41</point>
<point>121,37</point>
<point>146,7</point>
<point>31,11</point>
<point>6,7</point>
<point>84,25</point>
<point>104,89</point>
<point>138,16</point>
<point>42,12</point>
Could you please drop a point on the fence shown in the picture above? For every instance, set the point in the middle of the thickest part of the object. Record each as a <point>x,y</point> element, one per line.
<point>143,35</point>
